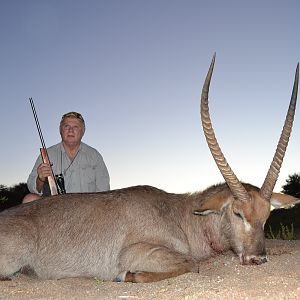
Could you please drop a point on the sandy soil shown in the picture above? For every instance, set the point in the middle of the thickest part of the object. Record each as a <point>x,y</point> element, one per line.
<point>221,277</point>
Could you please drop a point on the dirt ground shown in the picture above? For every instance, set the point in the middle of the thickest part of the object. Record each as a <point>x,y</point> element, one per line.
<point>221,277</point>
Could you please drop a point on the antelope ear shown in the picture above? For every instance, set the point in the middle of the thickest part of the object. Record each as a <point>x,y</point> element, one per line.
<point>214,205</point>
<point>278,200</point>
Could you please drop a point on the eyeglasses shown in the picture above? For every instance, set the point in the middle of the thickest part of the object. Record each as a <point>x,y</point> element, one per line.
<point>67,127</point>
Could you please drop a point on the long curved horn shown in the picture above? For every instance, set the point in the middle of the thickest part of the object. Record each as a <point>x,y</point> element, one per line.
<point>237,189</point>
<point>272,175</point>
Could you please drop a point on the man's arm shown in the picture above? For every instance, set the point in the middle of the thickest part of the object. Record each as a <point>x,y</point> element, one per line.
<point>34,184</point>
<point>38,176</point>
<point>102,176</point>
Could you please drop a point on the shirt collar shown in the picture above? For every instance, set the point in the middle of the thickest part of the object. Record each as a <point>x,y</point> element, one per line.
<point>81,148</point>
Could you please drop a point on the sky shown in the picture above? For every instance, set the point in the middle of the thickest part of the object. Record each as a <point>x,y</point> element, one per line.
<point>135,70</point>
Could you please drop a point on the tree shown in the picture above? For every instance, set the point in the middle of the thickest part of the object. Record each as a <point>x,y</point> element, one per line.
<point>283,217</point>
<point>292,186</point>
<point>11,196</point>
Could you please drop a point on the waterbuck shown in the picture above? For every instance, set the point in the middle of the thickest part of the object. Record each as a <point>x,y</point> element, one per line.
<point>143,234</point>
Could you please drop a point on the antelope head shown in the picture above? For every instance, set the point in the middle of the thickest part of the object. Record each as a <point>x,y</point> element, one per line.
<point>244,207</point>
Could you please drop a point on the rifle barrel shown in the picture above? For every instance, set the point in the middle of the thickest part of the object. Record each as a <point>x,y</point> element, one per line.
<point>44,153</point>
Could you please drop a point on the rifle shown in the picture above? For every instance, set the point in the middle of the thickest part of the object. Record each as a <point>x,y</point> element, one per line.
<point>55,188</point>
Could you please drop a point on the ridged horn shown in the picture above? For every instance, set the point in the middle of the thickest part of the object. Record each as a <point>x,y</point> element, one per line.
<point>272,175</point>
<point>237,189</point>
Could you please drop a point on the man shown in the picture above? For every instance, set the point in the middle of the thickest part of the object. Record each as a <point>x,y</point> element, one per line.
<point>81,166</point>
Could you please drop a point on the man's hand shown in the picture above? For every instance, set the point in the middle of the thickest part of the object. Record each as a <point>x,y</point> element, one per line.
<point>44,170</point>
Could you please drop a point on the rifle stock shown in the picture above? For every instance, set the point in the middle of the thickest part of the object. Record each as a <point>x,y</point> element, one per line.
<point>51,180</point>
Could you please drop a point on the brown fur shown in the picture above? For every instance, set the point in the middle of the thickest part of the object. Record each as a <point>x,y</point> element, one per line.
<point>138,234</point>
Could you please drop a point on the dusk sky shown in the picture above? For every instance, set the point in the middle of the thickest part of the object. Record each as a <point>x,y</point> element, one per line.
<point>135,69</point>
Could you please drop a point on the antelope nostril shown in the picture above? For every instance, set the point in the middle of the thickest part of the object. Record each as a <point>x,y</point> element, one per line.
<point>264,259</point>
<point>258,260</point>
<point>253,260</point>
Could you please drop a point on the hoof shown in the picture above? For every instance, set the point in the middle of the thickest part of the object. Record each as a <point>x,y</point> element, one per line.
<point>121,277</point>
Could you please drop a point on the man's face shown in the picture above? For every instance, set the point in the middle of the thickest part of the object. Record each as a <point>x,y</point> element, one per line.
<point>71,130</point>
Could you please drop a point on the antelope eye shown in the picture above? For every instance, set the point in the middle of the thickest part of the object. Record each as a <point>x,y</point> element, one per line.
<point>238,215</point>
